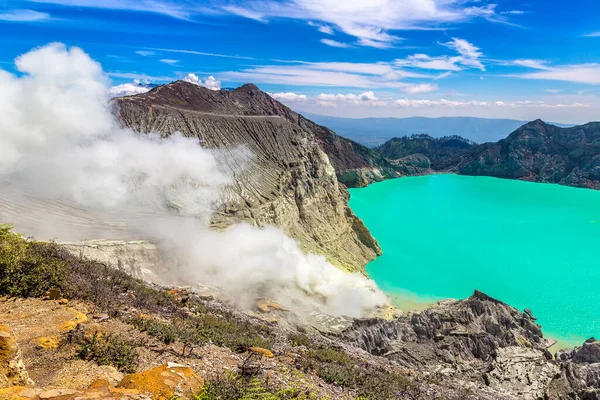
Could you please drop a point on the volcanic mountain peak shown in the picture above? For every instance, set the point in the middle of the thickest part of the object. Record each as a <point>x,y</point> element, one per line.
<point>245,100</point>
<point>354,164</point>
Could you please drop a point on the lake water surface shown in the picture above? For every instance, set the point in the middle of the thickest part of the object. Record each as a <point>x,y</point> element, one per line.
<point>528,244</point>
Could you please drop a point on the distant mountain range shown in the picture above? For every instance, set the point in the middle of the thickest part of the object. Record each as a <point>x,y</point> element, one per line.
<point>536,151</point>
<point>540,152</point>
<point>373,132</point>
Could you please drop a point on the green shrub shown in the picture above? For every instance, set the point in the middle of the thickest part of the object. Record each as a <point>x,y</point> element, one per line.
<point>235,387</point>
<point>165,332</point>
<point>27,268</point>
<point>204,328</point>
<point>334,366</point>
<point>300,339</point>
<point>110,350</point>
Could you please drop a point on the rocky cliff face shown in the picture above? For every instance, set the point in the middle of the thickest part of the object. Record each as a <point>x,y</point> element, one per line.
<point>540,152</point>
<point>285,166</point>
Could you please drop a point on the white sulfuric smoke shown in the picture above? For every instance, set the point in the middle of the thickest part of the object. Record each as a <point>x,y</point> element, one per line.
<point>59,141</point>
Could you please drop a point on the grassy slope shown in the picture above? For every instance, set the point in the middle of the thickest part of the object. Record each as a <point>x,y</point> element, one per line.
<point>29,268</point>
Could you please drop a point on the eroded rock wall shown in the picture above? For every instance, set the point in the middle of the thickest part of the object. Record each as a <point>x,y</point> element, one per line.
<point>282,175</point>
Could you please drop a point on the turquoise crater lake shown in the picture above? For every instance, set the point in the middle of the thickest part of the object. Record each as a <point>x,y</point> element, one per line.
<point>528,244</point>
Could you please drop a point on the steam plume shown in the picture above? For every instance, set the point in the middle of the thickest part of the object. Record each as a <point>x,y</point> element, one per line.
<point>60,142</point>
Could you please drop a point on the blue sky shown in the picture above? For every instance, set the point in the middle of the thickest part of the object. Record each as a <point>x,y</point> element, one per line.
<point>509,59</point>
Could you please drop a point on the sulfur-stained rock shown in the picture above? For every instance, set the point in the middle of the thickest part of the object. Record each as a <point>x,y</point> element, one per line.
<point>12,369</point>
<point>264,352</point>
<point>78,318</point>
<point>165,382</point>
<point>53,294</point>
<point>99,389</point>
<point>46,343</point>
<point>266,305</point>
<point>13,393</point>
<point>52,393</point>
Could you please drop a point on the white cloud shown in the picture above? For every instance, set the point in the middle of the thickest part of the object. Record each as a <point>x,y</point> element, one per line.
<point>23,16</point>
<point>371,101</point>
<point>466,49</point>
<point>334,43</point>
<point>145,53</point>
<point>210,82</point>
<point>289,97</point>
<point>470,53</point>
<point>350,97</point>
<point>541,104</point>
<point>554,91</point>
<point>129,89</point>
<point>488,104</point>
<point>368,21</point>
<point>351,16</point>
<point>199,53</point>
<point>578,73</point>
<point>423,61</point>
<point>442,76</point>
<point>326,29</point>
<point>535,64</point>
<point>593,34</point>
<point>473,103</point>
<point>380,68</point>
<point>169,61</point>
<point>489,13</point>
<point>378,44</point>
<point>468,57</point>
<point>420,88</point>
<point>404,103</point>
<point>331,99</point>
<point>486,11</point>
<point>246,13</point>
<point>340,74</point>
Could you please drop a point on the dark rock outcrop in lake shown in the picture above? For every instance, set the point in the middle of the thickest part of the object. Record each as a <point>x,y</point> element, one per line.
<point>442,153</point>
<point>540,152</point>
<point>286,167</point>
<point>486,343</point>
